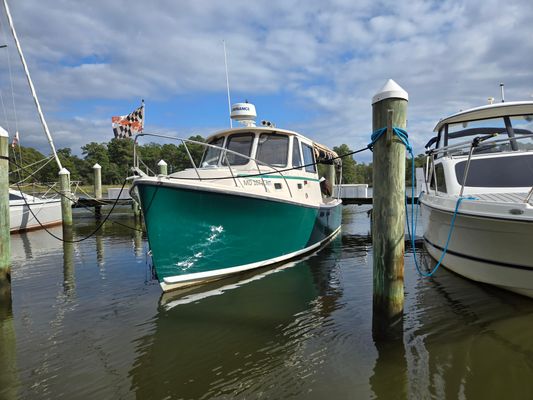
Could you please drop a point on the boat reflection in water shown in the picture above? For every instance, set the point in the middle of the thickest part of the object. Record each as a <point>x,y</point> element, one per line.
<point>250,339</point>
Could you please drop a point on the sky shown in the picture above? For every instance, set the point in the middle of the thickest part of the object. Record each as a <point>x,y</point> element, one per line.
<point>308,66</point>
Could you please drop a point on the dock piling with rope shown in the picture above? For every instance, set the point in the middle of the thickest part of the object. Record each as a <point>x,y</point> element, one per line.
<point>389,109</point>
<point>5,238</point>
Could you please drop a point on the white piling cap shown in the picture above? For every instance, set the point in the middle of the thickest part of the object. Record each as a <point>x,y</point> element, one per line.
<point>391,90</point>
<point>161,162</point>
<point>97,166</point>
<point>3,132</point>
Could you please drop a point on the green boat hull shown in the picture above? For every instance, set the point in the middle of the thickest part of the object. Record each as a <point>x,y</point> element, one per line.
<point>195,231</point>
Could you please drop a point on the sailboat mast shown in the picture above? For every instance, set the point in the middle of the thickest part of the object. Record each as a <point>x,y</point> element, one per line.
<point>32,88</point>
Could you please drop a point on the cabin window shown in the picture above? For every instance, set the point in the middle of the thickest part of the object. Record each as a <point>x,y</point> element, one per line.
<point>240,143</point>
<point>309,159</point>
<point>273,149</point>
<point>441,181</point>
<point>212,155</point>
<point>296,153</point>
<point>497,172</point>
<point>13,196</point>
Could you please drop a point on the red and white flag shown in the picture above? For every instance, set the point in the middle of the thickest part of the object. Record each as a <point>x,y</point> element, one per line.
<point>127,125</point>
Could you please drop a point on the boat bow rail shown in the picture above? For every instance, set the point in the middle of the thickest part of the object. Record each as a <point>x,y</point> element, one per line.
<point>260,171</point>
<point>454,154</point>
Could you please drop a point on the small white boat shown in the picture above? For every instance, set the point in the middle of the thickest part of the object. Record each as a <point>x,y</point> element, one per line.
<point>28,212</point>
<point>478,201</point>
<point>255,199</point>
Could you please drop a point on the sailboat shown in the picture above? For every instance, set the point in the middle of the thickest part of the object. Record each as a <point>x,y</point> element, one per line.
<point>30,212</point>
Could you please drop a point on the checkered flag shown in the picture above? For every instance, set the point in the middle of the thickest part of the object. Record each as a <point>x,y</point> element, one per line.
<point>127,125</point>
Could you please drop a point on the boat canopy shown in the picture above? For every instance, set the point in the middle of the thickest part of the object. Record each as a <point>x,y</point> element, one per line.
<point>489,111</point>
<point>325,155</point>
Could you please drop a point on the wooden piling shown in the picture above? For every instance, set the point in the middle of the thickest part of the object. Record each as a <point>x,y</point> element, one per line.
<point>66,203</point>
<point>5,238</point>
<point>162,167</point>
<point>388,222</point>
<point>97,171</point>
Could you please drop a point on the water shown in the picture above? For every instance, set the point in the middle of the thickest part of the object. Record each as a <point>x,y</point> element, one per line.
<point>88,321</point>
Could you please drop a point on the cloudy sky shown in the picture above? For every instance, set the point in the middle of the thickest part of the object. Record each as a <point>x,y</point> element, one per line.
<point>309,66</point>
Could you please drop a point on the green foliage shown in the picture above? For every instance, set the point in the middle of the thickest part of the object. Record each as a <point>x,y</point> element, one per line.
<point>420,161</point>
<point>348,164</point>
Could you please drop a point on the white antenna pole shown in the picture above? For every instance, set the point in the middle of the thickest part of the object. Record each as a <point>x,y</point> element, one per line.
<point>501,89</point>
<point>34,95</point>
<point>227,83</point>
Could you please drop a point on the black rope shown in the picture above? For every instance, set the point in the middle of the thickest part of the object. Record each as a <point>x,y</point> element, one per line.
<point>275,171</point>
<point>70,199</point>
<point>77,240</point>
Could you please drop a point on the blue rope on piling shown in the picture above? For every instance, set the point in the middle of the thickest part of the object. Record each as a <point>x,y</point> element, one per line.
<point>411,229</point>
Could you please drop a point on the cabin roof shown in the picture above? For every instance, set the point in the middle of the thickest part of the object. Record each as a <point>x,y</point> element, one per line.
<point>488,111</point>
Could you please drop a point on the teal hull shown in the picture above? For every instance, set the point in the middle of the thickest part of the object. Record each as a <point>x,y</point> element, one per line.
<point>194,231</point>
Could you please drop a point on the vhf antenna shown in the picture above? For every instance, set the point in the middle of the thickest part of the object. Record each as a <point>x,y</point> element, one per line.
<point>227,83</point>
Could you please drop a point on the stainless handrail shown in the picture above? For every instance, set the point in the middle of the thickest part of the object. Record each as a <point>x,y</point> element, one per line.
<point>192,160</point>
<point>215,147</point>
<point>466,144</point>
<point>528,197</point>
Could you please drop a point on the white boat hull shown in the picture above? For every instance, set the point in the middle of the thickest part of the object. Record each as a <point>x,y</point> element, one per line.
<point>43,213</point>
<point>497,251</point>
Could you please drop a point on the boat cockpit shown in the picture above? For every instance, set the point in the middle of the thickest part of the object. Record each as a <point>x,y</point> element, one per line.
<point>269,148</point>
<point>483,149</point>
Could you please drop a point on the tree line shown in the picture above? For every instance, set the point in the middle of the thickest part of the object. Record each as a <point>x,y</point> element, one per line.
<point>116,159</point>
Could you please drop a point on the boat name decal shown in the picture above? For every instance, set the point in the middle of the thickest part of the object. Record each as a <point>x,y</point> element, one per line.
<point>256,182</point>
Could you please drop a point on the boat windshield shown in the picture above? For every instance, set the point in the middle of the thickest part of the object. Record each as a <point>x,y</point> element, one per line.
<point>273,149</point>
<point>505,127</point>
<point>240,143</point>
<point>212,155</point>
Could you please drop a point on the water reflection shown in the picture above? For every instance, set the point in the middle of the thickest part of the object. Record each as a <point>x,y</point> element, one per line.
<point>303,331</point>
<point>9,380</point>
<point>244,342</point>
<point>69,282</point>
<point>468,340</point>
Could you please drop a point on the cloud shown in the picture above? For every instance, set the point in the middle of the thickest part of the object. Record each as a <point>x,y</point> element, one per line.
<point>324,60</point>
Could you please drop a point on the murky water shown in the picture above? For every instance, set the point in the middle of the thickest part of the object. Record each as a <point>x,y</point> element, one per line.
<point>88,321</point>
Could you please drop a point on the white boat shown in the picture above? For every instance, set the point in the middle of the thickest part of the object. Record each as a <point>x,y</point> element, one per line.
<point>254,200</point>
<point>480,171</point>
<point>28,212</point>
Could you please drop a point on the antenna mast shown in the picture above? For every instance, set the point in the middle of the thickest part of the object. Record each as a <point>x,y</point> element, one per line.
<point>227,83</point>
<point>33,93</point>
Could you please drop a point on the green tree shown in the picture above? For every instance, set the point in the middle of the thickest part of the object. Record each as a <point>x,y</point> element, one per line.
<point>121,155</point>
<point>420,161</point>
<point>349,173</point>
<point>96,153</point>
<point>20,159</point>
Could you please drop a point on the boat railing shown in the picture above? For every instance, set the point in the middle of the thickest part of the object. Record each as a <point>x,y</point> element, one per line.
<point>468,143</point>
<point>224,153</point>
<point>471,145</point>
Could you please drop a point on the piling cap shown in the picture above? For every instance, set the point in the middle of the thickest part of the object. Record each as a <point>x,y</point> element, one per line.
<point>162,162</point>
<point>97,166</point>
<point>391,90</point>
<point>3,132</point>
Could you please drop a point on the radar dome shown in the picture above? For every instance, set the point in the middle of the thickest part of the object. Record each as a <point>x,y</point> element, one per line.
<point>244,113</point>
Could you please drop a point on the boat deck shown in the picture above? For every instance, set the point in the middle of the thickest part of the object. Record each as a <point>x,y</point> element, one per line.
<point>503,197</point>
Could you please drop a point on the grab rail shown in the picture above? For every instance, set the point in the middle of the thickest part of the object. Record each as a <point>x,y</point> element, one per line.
<point>224,153</point>
<point>466,144</point>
